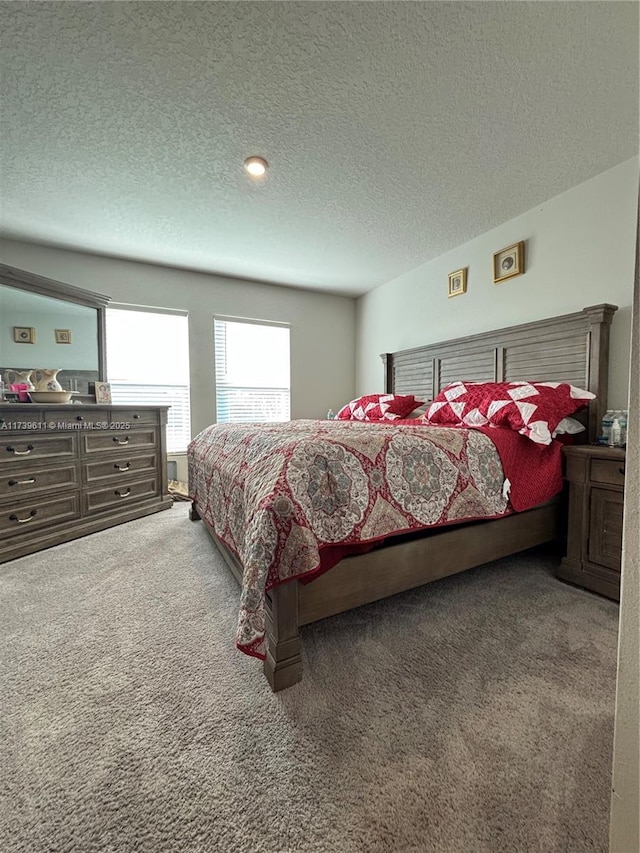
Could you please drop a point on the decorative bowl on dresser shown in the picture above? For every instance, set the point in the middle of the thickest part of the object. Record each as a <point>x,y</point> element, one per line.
<point>596,502</point>
<point>69,470</point>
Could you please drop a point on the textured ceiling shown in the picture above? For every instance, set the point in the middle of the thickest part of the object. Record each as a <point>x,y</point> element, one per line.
<point>395,131</point>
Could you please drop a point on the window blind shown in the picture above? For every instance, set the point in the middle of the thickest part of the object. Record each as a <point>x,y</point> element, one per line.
<point>176,396</point>
<point>252,371</point>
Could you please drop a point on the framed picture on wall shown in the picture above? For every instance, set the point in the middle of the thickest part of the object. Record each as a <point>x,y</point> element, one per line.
<point>63,336</point>
<point>457,282</point>
<point>24,335</point>
<point>508,262</point>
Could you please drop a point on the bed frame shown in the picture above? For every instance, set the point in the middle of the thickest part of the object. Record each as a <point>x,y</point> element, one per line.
<point>572,348</point>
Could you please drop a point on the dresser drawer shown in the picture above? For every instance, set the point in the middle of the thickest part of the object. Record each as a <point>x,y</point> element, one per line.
<point>73,419</point>
<point>116,440</point>
<point>26,418</point>
<point>119,467</point>
<point>22,518</point>
<point>27,447</point>
<point>124,493</point>
<point>36,479</point>
<point>135,417</point>
<point>609,471</point>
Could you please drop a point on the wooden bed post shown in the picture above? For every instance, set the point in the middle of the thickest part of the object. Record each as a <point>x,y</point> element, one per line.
<point>388,372</point>
<point>283,665</point>
<point>194,515</point>
<point>599,317</point>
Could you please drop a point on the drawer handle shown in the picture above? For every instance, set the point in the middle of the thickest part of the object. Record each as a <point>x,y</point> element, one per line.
<point>21,452</point>
<point>79,418</point>
<point>121,440</point>
<point>22,482</point>
<point>32,515</point>
<point>123,494</point>
<point>122,467</point>
<point>136,417</point>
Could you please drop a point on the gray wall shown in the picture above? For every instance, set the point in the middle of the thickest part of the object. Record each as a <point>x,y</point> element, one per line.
<point>322,342</point>
<point>579,251</point>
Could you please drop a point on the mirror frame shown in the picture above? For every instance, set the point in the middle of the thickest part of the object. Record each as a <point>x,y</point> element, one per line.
<point>23,280</point>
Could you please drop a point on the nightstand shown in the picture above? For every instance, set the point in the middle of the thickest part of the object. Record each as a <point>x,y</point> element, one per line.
<point>596,502</point>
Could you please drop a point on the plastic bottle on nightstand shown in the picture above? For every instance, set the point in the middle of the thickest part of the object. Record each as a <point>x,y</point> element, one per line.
<point>623,428</point>
<point>616,434</point>
<point>330,415</point>
<point>607,422</point>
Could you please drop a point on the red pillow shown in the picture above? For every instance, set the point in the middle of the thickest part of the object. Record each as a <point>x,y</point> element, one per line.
<point>533,409</point>
<point>379,407</point>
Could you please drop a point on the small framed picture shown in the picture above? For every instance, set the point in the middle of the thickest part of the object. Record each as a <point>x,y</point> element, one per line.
<point>24,335</point>
<point>508,262</point>
<point>457,282</point>
<point>63,336</point>
<point>103,392</point>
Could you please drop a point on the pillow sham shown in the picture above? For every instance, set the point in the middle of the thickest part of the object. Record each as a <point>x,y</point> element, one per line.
<point>568,426</point>
<point>534,409</point>
<point>379,407</point>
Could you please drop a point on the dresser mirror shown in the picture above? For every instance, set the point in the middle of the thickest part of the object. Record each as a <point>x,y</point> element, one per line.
<point>46,325</point>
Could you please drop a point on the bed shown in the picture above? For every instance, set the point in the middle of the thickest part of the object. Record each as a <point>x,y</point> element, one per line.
<point>572,348</point>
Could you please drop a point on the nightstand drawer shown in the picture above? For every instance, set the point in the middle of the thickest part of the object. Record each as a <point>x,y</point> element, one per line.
<point>605,528</point>
<point>609,471</point>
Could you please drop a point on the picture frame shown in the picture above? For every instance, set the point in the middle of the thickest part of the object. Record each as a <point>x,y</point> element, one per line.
<point>24,335</point>
<point>63,336</point>
<point>103,392</point>
<point>508,262</point>
<point>457,282</point>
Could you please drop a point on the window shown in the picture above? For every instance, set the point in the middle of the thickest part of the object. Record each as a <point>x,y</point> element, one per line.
<point>148,362</point>
<point>252,371</point>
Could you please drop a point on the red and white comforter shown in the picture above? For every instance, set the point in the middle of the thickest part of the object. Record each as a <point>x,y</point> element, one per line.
<point>283,496</point>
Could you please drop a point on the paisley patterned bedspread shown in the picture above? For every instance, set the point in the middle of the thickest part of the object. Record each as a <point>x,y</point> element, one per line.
<point>277,494</point>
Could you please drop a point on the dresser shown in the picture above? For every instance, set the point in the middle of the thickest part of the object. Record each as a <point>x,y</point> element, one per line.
<point>70,470</point>
<point>596,502</point>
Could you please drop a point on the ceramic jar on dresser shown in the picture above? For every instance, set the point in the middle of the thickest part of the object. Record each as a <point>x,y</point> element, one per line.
<point>70,470</point>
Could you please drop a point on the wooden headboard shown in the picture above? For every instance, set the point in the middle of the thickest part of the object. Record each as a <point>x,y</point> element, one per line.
<point>572,348</point>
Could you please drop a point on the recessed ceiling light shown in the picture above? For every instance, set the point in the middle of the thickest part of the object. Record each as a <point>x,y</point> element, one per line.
<point>255,166</point>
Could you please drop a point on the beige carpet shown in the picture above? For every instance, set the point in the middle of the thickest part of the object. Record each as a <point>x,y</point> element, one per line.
<point>472,716</point>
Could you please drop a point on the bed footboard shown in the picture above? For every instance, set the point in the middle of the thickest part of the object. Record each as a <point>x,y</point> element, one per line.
<point>283,664</point>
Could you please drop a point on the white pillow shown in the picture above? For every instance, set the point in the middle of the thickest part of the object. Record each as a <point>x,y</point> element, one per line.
<point>568,426</point>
